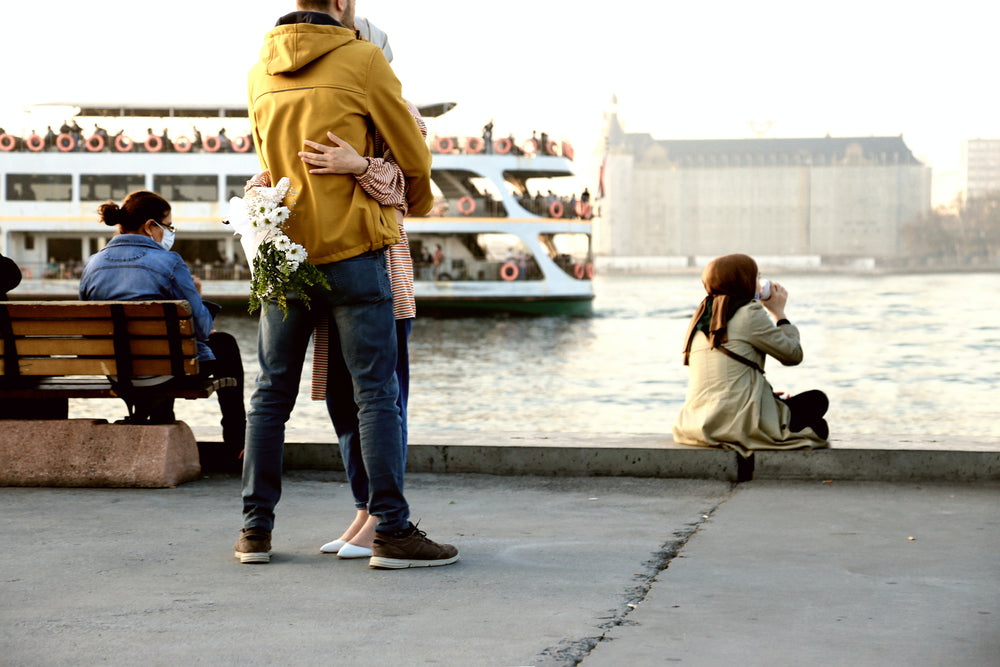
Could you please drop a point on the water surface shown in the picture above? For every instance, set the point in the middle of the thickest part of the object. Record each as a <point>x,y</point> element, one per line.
<point>901,354</point>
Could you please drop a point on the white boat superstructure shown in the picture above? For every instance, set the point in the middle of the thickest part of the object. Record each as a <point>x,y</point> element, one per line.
<point>497,240</point>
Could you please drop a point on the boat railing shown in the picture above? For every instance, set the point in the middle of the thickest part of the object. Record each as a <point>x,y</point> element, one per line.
<point>101,142</point>
<point>484,206</point>
<point>536,145</point>
<point>73,269</point>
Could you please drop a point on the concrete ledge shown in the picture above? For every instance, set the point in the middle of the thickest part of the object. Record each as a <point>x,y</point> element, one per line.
<point>569,461</point>
<point>94,453</point>
<point>851,457</point>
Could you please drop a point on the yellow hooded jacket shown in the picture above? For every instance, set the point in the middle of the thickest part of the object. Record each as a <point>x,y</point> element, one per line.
<point>313,78</point>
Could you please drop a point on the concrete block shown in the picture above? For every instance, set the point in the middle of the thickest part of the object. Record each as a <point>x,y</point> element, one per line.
<point>94,453</point>
<point>884,465</point>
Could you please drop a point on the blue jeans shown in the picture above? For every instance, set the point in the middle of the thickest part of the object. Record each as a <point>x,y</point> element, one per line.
<point>359,304</point>
<point>344,411</point>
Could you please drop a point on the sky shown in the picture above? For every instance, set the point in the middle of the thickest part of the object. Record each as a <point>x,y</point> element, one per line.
<point>692,70</point>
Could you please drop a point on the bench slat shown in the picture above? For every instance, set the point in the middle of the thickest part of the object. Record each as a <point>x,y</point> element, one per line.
<point>140,367</point>
<point>70,366</point>
<point>97,347</point>
<point>93,327</point>
<point>92,309</point>
<point>62,387</point>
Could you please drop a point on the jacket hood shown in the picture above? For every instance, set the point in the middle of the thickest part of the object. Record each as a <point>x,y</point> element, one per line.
<point>289,48</point>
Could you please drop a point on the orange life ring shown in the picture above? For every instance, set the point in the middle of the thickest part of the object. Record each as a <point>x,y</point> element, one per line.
<point>212,144</point>
<point>182,144</point>
<point>26,272</point>
<point>530,147</point>
<point>444,145</point>
<point>474,145</point>
<point>589,270</point>
<point>552,148</point>
<point>502,145</point>
<point>95,143</point>
<point>567,150</point>
<point>65,142</point>
<point>466,205</point>
<point>242,143</point>
<point>153,143</point>
<point>7,142</point>
<point>583,209</point>
<point>509,271</point>
<point>34,143</point>
<point>556,209</point>
<point>578,271</point>
<point>123,144</point>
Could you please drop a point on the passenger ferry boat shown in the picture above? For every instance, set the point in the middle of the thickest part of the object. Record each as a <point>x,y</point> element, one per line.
<point>497,240</point>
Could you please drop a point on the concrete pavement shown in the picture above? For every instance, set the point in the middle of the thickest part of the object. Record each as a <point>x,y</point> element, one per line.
<point>553,571</point>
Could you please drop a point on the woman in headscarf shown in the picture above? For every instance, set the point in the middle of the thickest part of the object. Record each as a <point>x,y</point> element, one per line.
<point>729,401</point>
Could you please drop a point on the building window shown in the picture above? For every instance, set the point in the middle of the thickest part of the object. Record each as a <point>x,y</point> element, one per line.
<point>187,187</point>
<point>235,185</point>
<point>102,187</point>
<point>39,187</point>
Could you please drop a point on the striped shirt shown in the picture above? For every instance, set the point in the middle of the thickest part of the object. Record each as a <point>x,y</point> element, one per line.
<point>385,183</point>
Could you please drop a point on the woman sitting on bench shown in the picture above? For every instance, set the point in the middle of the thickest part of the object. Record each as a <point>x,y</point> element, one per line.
<point>137,265</point>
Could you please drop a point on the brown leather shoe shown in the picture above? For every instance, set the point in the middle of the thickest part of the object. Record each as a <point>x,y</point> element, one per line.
<point>414,549</point>
<point>254,546</point>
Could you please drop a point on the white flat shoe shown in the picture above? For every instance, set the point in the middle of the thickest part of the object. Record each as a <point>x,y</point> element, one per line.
<point>354,551</point>
<point>332,547</point>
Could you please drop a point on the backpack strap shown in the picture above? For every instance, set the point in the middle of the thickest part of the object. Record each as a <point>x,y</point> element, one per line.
<point>743,360</point>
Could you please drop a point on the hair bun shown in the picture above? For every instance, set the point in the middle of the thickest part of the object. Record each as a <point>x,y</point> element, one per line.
<point>111,214</point>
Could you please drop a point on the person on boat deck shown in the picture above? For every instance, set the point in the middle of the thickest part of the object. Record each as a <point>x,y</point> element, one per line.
<point>137,265</point>
<point>383,180</point>
<point>438,260</point>
<point>488,136</point>
<point>729,402</point>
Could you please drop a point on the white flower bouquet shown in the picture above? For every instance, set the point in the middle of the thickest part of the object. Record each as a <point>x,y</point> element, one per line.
<point>278,265</point>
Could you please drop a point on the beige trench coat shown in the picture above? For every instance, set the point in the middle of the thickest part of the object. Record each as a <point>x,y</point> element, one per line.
<point>732,405</point>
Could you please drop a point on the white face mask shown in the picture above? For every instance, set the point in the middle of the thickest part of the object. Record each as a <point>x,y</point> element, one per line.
<point>167,242</point>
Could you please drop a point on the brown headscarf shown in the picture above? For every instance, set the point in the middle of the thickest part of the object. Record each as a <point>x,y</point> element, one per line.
<point>730,281</point>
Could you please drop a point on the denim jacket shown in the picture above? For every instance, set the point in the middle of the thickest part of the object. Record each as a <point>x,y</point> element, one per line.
<point>133,267</point>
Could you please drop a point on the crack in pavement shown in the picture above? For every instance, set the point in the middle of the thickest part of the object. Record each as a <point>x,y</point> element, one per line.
<point>574,652</point>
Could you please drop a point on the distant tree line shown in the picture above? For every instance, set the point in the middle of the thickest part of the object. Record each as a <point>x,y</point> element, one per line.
<point>965,232</point>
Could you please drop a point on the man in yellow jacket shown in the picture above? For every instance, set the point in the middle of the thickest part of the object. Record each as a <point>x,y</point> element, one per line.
<point>314,75</point>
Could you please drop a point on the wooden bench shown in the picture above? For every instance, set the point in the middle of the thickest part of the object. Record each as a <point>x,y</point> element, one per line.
<point>68,349</point>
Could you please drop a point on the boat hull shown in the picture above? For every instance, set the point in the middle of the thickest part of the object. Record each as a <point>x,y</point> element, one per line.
<point>477,306</point>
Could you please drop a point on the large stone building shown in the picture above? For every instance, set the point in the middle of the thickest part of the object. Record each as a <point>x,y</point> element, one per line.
<point>827,197</point>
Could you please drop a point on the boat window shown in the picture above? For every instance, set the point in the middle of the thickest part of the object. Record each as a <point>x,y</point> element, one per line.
<point>102,187</point>
<point>39,187</point>
<point>553,197</point>
<point>461,193</point>
<point>570,252</point>
<point>235,185</point>
<point>186,187</point>
<point>472,257</point>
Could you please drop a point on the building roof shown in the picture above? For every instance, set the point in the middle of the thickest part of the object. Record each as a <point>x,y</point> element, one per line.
<point>762,151</point>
